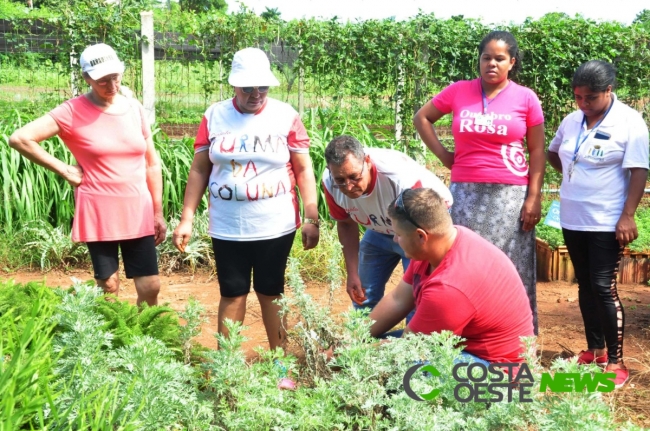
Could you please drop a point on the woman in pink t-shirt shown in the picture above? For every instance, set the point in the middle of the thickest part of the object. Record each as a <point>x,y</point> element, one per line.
<point>117,183</point>
<point>496,192</point>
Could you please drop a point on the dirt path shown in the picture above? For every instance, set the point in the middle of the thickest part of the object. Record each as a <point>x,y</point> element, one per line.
<point>559,316</point>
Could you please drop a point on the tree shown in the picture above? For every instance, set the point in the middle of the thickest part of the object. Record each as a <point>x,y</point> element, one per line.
<point>204,5</point>
<point>271,14</point>
<point>643,18</point>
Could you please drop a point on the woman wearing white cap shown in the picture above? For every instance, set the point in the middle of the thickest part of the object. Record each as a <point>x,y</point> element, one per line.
<point>118,182</point>
<point>250,152</point>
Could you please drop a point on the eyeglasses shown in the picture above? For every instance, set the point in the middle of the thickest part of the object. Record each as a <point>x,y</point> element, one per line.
<point>249,90</point>
<point>111,78</point>
<point>342,184</point>
<point>399,205</point>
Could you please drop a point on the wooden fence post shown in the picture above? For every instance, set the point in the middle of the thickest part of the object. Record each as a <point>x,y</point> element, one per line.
<point>220,77</point>
<point>148,69</point>
<point>74,70</point>
<point>399,101</point>
<point>301,87</point>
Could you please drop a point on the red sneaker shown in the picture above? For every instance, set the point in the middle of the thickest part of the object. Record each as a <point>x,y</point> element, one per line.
<point>588,357</point>
<point>622,374</point>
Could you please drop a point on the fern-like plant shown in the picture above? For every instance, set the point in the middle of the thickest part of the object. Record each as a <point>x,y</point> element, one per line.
<point>126,321</point>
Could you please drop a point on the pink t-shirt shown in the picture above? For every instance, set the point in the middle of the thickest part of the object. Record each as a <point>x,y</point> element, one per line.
<point>490,154</point>
<point>252,183</point>
<point>112,202</point>
<point>484,303</point>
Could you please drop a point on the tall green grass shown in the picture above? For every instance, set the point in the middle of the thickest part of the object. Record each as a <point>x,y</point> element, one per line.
<point>30,192</point>
<point>25,363</point>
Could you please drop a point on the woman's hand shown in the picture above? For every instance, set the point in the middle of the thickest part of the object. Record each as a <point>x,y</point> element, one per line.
<point>531,212</point>
<point>446,158</point>
<point>310,235</point>
<point>181,235</point>
<point>73,174</point>
<point>160,228</point>
<point>423,121</point>
<point>626,230</point>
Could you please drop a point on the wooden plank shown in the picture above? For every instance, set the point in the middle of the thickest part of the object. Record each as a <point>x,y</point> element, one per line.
<point>544,261</point>
<point>570,270</point>
<point>639,268</point>
<point>626,274</point>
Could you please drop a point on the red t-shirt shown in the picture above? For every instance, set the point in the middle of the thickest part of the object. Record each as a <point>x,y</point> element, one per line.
<point>475,292</point>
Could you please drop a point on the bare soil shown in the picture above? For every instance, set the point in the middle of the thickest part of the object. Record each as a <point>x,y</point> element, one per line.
<point>561,330</point>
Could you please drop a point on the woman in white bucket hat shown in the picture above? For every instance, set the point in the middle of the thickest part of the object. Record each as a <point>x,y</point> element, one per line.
<point>250,152</point>
<point>117,182</point>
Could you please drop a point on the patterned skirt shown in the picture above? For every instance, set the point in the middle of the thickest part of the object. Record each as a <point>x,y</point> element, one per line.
<point>494,212</point>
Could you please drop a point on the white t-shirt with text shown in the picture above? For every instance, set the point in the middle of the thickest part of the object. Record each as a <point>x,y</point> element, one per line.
<point>392,172</point>
<point>252,184</point>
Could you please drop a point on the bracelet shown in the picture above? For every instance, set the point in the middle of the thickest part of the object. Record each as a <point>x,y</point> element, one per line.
<point>313,221</point>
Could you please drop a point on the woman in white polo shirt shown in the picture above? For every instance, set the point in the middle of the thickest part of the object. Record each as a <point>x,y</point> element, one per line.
<point>602,152</point>
<point>250,152</point>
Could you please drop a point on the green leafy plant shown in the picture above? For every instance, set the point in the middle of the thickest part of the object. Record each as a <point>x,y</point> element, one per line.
<point>125,322</point>
<point>25,362</point>
<point>192,315</point>
<point>53,246</point>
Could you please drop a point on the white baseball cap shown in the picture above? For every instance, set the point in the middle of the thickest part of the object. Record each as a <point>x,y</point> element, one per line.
<point>251,68</point>
<point>100,60</point>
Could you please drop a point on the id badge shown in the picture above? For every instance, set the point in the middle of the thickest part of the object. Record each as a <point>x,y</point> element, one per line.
<point>483,120</point>
<point>596,153</point>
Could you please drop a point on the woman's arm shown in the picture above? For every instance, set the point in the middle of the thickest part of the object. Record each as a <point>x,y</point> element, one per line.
<point>423,122</point>
<point>197,182</point>
<point>304,173</point>
<point>626,230</point>
<point>26,141</point>
<point>155,186</point>
<point>532,209</point>
<point>554,160</point>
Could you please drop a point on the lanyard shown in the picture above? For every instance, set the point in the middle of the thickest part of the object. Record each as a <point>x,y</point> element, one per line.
<point>579,142</point>
<point>485,100</point>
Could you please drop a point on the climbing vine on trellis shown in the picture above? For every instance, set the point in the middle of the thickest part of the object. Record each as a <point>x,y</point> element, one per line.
<point>378,59</point>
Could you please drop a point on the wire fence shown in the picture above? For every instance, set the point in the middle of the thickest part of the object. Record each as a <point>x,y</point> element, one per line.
<point>376,72</point>
<point>188,78</point>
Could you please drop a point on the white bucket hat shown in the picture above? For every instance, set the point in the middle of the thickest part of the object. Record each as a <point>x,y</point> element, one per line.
<point>100,60</point>
<point>251,68</point>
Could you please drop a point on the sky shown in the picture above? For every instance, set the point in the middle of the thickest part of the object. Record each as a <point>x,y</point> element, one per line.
<point>488,11</point>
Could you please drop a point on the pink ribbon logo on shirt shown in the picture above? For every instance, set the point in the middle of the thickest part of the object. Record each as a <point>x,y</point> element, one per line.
<point>515,159</point>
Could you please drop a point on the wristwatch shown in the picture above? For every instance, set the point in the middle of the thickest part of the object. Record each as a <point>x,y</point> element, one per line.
<point>313,221</point>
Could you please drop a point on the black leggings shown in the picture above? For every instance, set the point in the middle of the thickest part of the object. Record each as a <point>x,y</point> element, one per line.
<point>596,257</point>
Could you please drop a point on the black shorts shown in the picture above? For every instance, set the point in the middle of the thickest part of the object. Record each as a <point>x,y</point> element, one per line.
<point>138,255</point>
<point>267,259</point>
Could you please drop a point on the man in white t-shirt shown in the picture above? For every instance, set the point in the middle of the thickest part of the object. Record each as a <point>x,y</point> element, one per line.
<point>359,185</point>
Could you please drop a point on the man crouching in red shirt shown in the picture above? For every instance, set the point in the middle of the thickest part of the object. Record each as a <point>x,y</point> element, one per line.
<point>456,281</point>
